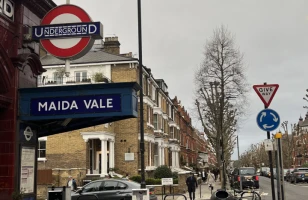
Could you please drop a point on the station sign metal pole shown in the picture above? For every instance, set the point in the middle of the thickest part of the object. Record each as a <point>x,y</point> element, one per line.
<point>281,177</point>
<point>277,169</point>
<point>143,184</point>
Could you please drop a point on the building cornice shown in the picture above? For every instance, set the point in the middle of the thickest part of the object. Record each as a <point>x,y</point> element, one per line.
<point>102,135</point>
<point>91,64</point>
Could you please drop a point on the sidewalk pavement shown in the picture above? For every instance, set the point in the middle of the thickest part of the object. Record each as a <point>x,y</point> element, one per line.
<point>205,192</point>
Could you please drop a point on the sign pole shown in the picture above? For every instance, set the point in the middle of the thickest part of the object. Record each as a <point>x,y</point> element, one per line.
<point>142,166</point>
<point>280,164</point>
<point>67,61</point>
<point>270,157</point>
<point>277,170</point>
<point>268,119</point>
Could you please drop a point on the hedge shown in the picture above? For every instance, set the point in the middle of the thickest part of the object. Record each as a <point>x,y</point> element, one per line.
<point>136,178</point>
<point>163,171</point>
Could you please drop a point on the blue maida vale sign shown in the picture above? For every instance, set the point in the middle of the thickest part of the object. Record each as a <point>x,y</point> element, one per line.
<point>75,105</point>
<point>268,120</point>
<point>55,31</point>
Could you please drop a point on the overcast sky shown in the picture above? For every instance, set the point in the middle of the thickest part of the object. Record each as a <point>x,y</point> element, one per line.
<point>273,35</point>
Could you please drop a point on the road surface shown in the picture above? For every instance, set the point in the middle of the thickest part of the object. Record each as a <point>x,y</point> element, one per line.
<point>292,192</point>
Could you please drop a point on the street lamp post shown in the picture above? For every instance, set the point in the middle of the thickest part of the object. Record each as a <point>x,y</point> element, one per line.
<point>143,184</point>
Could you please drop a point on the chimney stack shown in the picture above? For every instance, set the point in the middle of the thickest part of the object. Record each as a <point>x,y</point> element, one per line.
<point>112,45</point>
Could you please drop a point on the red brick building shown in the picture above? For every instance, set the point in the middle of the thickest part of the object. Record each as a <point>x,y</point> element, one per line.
<point>300,140</point>
<point>188,143</point>
<point>19,67</point>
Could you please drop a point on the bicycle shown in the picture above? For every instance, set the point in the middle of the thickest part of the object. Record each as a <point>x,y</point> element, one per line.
<point>252,194</point>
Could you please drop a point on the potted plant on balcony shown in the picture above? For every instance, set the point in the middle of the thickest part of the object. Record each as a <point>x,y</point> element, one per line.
<point>70,81</point>
<point>87,80</point>
<point>60,72</point>
<point>99,77</point>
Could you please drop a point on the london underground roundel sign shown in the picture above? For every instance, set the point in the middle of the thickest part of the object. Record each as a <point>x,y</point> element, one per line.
<point>67,32</point>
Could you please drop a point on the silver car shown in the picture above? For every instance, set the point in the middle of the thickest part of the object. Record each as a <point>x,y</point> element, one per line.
<point>111,189</point>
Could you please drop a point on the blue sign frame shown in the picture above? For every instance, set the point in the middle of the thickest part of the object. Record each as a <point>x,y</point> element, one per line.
<point>69,30</point>
<point>268,120</point>
<point>124,101</point>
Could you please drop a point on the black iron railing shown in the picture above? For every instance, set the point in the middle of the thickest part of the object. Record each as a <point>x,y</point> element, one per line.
<point>71,80</point>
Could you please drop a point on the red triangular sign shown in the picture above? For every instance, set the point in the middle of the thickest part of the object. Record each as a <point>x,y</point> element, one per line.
<point>266,92</point>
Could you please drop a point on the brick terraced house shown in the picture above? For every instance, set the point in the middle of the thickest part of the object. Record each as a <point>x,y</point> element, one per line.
<point>300,140</point>
<point>97,151</point>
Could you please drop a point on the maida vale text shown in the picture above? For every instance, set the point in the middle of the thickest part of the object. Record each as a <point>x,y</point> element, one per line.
<point>75,105</point>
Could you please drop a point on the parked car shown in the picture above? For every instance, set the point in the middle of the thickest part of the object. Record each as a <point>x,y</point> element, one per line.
<point>116,189</point>
<point>258,172</point>
<point>284,173</point>
<point>288,174</point>
<point>265,171</point>
<point>247,175</point>
<point>299,175</point>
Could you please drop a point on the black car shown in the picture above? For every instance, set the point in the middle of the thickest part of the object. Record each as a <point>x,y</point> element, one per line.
<point>115,189</point>
<point>299,175</point>
<point>247,175</point>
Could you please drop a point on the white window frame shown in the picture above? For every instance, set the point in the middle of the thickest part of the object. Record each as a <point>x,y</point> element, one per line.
<point>162,125</point>
<point>149,115</point>
<point>172,132</point>
<point>81,77</point>
<point>39,140</point>
<point>148,92</point>
<point>153,92</point>
<point>155,119</point>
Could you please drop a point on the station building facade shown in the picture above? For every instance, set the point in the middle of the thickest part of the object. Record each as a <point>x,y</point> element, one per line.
<point>19,67</point>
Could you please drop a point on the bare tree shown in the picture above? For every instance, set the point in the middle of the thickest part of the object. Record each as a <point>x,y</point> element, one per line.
<point>221,77</point>
<point>288,144</point>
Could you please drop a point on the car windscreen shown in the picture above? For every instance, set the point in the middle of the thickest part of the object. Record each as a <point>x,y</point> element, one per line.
<point>303,170</point>
<point>247,171</point>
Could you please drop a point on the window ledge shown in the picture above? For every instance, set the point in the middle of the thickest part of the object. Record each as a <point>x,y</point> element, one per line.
<point>42,159</point>
<point>150,125</point>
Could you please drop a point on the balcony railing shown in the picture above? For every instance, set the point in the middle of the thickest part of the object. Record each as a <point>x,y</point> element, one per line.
<point>72,80</point>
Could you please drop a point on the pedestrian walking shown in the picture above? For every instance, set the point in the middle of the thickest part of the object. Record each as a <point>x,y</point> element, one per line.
<point>192,184</point>
<point>204,175</point>
<point>216,172</point>
<point>71,183</point>
<point>210,177</point>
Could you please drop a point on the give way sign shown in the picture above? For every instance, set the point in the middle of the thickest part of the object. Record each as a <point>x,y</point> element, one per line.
<point>266,92</point>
